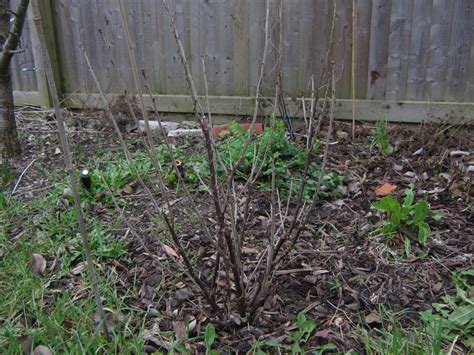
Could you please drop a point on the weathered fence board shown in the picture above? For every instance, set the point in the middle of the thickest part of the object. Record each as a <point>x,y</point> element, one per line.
<point>421,50</point>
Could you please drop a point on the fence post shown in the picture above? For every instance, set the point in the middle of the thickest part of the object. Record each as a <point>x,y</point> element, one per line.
<point>46,10</point>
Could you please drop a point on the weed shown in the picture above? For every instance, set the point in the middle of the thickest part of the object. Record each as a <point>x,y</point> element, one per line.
<point>455,317</point>
<point>289,161</point>
<point>6,175</point>
<point>305,328</point>
<point>405,217</point>
<point>381,138</point>
<point>209,337</point>
<point>445,322</point>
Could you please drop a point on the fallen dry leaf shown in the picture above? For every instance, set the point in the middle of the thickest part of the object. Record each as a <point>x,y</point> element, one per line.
<point>127,189</point>
<point>78,268</point>
<point>179,329</point>
<point>385,189</point>
<point>170,251</point>
<point>38,265</point>
<point>322,333</point>
<point>372,318</point>
<point>42,350</point>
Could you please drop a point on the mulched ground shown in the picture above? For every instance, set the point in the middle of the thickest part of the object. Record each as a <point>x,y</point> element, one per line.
<point>337,274</point>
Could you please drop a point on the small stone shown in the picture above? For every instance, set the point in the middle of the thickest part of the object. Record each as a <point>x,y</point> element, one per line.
<point>425,176</point>
<point>42,350</point>
<point>410,174</point>
<point>38,265</point>
<point>470,169</point>
<point>397,167</point>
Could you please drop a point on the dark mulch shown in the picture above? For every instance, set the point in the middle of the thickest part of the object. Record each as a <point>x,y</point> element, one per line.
<point>337,274</point>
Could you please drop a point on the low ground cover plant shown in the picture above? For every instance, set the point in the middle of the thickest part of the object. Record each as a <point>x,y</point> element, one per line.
<point>406,218</point>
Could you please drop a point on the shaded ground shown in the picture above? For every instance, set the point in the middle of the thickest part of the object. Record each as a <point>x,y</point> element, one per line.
<point>337,274</point>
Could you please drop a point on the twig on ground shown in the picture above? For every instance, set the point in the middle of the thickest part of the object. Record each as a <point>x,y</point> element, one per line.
<point>21,176</point>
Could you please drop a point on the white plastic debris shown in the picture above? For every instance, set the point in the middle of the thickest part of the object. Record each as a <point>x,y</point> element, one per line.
<point>185,132</point>
<point>419,151</point>
<point>155,125</point>
<point>459,153</point>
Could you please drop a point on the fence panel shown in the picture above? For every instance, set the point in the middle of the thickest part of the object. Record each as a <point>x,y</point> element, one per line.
<point>405,50</point>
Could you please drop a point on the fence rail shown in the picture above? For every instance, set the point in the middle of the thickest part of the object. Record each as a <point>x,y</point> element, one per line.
<point>414,59</point>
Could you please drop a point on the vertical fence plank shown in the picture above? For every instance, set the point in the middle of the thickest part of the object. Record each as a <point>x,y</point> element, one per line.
<point>398,49</point>
<point>459,50</point>
<point>240,54</point>
<point>378,51</point>
<point>436,64</point>
<point>323,11</point>
<point>470,77</point>
<point>342,48</point>
<point>364,15</point>
<point>419,44</point>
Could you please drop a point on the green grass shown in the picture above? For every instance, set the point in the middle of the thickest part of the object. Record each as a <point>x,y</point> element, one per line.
<point>447,322</point>
<point>381,137</point>
<point>57,309</point>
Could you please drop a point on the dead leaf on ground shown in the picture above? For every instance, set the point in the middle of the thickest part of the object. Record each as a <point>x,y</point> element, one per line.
<point>26,343</point>
<point>78,268</point>
<point>38,265</point>
<point>385,189</point>
<point>127,189</point>
<point>322,333</point>
<point>42,350</point>
<point>372,318</point>
<point>179,329</point>
<point>170,251</point>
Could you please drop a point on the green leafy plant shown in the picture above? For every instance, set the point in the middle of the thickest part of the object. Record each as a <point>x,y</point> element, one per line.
<point>6,175</point>
<point>209,337</point>
<point>289,161</point>
<point>405,217</point>
<point>381,138</point>
<point>455,317</point>
<point>305,328</point>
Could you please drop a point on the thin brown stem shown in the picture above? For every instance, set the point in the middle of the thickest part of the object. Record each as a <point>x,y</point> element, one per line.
<point>69,167</point>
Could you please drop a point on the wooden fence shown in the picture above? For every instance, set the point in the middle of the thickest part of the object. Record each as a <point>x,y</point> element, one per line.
<point>414,59</point>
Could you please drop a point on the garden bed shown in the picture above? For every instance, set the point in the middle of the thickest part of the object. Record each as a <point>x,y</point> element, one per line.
<point>359,288</point>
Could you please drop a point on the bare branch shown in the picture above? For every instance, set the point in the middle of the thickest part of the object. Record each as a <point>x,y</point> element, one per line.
<point>69,167</point>
<point>12,40</point>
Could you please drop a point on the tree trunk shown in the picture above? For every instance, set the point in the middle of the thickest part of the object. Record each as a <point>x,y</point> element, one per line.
<point>9,143</point>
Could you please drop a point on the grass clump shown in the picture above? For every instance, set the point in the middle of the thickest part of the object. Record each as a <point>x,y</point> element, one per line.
<point>381,138</point>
